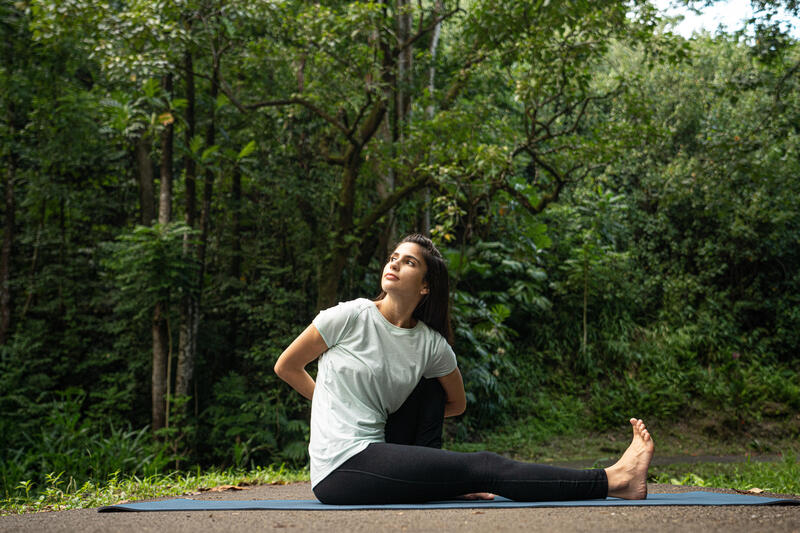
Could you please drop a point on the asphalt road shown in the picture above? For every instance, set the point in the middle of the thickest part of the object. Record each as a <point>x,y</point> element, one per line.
<point>750,519</point>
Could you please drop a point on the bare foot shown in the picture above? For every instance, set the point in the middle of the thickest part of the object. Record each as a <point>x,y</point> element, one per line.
<point>628,477</point>
<point>478,496</point>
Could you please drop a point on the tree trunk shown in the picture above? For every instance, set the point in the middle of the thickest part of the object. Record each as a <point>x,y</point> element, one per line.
<point>188,161</point>
<point>404,62</point>
<point>165,192</point>
<point>145,174</point>
<point>34,260</point>
<point>188,356</point>
<point>162,349</point>
<point>330,275</point>
<point>5,259</point>
<point>159,380</point>
<point>208,182</point>
<point>236,260</point>
<point>437,31</point>
<point>585,299</point>
<point>188,328</point>
<point>62,254</point>
<point>399,93</point>
<point>384,187</point>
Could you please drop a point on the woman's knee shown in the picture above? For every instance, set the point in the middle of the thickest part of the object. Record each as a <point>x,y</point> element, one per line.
<point>329,492</point>
<point>321,495</point>
<point>485,465</point>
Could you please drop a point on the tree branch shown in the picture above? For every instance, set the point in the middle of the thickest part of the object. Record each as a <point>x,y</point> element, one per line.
<point>246,108</point>
<point>361,112</point>
<point>584,104</point>
<point>372,124</point>
<point>523,200</point>
<point>547,198</point>
<point>792,71</point>
<point>326,155</point>
<point>390,201</point>
<point>549,168</point>
<point>461,81</point>
<point>414,38</point>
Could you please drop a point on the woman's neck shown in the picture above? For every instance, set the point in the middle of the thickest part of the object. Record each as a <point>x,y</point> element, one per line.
<point>397,312</point>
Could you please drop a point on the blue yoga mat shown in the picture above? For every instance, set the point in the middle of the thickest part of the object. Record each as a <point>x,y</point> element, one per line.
<point>686,498</point>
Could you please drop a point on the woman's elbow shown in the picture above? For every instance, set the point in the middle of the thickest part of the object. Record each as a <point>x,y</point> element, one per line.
<point>455,408</point>
<point>280,369</point>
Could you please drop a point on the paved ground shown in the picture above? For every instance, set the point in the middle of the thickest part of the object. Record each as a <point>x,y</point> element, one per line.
<point>750,519</point>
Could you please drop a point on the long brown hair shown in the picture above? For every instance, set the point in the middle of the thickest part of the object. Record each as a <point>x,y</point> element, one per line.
<point>434,308</point>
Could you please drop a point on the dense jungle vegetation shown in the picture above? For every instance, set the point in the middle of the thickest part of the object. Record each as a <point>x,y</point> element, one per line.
<point>186,183</point>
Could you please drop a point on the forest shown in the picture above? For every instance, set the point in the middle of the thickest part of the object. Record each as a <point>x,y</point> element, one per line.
<point>186,183</point>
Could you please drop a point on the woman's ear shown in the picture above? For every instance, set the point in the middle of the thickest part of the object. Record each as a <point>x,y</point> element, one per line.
<point>424,289</point>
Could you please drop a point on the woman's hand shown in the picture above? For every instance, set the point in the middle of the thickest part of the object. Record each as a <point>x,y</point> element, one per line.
<point>477,496</point>
<point>291,365</point>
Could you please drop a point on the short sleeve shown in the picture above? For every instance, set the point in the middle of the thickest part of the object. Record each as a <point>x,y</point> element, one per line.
<point>333,323</point>
<point>443,363</point>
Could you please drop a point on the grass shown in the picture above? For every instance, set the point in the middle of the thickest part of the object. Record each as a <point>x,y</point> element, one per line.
<point>61,495</point>
<point>531,439</point>
<point>780,476</point>
<point>527,440</point>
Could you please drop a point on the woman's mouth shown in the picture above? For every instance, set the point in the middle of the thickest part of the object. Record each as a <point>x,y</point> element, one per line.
<point>391,276</point>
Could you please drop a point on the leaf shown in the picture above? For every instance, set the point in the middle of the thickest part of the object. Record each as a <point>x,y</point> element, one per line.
<point>166,118</point>
<point>229,29</point>
<point>247,150</point>
<point>196,143</point>
<point>222,488</point>
<point>222,100</point>
<point>209,152</point>
<point>150,88</point>
<point>501,312</point>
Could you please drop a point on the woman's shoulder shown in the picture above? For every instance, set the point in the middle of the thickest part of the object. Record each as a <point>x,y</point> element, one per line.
<point>350,307</point>
<point>335,323</point>
<point>432,334</point>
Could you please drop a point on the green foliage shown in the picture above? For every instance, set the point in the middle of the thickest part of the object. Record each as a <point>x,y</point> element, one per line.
<point>60,496</point>
<point>250,426</point>
<point>69,449</point>
<point>780,476</point>
<point>540,417</point>
<point>150,266</point>
<point>493,279</point>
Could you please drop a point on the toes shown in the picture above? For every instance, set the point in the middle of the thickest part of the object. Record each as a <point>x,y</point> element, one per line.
<point>639,427</point>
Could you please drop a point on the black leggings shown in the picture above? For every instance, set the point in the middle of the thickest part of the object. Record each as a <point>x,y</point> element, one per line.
<point>409,467</point>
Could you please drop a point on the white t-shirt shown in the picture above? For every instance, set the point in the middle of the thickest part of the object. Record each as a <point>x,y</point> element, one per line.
<point>369,370</point>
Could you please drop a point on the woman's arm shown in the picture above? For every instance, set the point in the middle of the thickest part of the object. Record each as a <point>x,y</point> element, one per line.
<point>456,401</point>
<point>291,365</point>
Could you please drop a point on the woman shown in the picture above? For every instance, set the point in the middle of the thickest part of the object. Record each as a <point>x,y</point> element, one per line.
<point>387,375</point>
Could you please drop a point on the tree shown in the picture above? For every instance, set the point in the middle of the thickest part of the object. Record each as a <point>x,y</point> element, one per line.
<point>12,53</point>
<point>368,73</point>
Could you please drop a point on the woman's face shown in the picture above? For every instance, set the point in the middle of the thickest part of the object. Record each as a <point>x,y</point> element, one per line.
<point>404,273</point>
